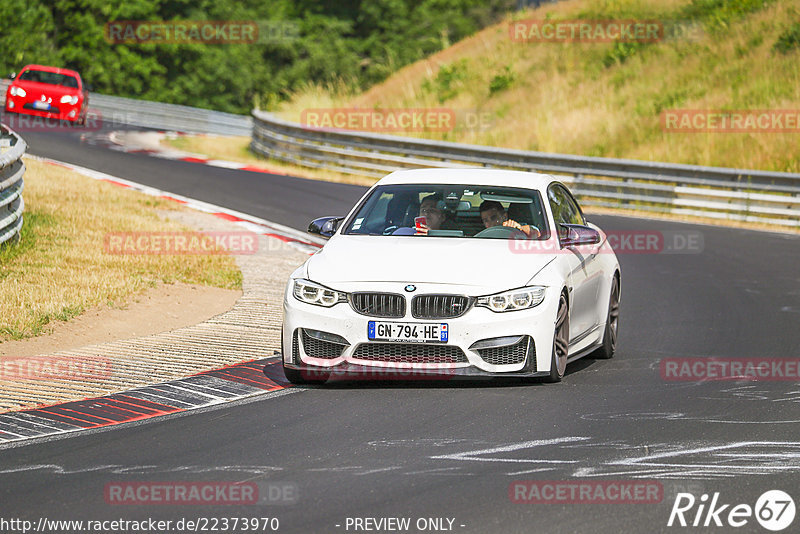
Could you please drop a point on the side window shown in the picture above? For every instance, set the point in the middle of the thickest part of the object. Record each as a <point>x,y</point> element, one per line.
<point>565,210</point>
<point>576,216</point>
<point>556,205</point>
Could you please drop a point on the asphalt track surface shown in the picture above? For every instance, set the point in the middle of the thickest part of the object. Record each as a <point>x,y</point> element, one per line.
<point>452,450</point>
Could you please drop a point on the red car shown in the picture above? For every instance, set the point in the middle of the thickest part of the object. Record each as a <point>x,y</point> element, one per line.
<point>48,92</point>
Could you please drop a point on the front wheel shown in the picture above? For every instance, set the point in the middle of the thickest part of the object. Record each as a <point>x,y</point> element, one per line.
<point>558,365</point>
<point>609,346</point>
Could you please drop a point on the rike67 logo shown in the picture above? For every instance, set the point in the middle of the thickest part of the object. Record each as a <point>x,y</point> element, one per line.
<point>774,510</point>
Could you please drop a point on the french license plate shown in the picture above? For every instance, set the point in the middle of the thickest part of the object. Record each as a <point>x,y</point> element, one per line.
<point>38,104</point>
<point>409,332</point>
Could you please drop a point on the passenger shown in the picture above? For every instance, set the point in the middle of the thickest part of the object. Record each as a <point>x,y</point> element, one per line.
<point>493,214</point>
<point>436,218</point>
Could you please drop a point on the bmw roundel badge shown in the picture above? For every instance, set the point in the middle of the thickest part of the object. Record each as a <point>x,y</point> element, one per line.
<point>410,288</point>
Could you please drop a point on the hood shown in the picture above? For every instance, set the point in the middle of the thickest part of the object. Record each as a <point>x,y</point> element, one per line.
<point>490,264</point>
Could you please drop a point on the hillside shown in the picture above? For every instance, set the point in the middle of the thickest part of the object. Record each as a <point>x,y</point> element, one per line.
<point>606,99</point>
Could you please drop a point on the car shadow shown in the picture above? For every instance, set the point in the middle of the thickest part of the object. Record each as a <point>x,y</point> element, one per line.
<point>423,382</point>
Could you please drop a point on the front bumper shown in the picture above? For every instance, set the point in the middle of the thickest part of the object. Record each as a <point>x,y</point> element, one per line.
<point>59,112</point>
<point>349,372</point>
<point>332,341</point>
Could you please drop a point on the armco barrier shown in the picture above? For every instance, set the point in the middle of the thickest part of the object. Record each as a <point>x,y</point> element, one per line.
<point>12,147</point>
<point>113,111</point>
<point>714,192</point>
<point>118,110</point>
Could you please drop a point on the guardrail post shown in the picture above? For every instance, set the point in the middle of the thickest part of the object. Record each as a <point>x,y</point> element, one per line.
<point>621,190</point>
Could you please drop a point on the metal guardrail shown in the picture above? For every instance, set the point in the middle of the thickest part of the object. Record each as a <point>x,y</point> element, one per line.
<point>111,111</point>
<point>12,147</point>
<point>119,110</point>
<point>713,192</point>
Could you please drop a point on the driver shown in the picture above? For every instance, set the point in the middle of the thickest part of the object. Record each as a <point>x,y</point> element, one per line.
<point>493,214</point>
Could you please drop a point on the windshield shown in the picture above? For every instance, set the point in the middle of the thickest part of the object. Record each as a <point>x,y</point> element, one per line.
<point>52,78</point>
<point>451,211</point>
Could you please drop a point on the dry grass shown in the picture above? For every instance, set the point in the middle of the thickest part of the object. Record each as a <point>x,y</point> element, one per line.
<point>60,268</point>
<point>233,148</point>
<point>565,99</point>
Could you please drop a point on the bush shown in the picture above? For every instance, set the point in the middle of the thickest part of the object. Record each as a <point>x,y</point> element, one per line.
<point>789,39</point>
<point>620,52</point>
<point>502,81</point>
<point>448,81</point>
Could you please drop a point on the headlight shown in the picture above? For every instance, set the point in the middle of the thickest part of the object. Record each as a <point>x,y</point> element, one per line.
<point>69,99</point>
<point>311,293</point>
<point>516,299</point>
<point>17,91</point>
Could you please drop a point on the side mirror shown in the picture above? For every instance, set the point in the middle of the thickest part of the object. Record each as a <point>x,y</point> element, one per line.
<point>88,87</point>
<point>575,235</point>
<point>12,75</point>
<point>325,226</point>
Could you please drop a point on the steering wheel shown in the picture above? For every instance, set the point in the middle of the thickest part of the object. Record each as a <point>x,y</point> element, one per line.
<point>389,229</point>
<point>501,232</point>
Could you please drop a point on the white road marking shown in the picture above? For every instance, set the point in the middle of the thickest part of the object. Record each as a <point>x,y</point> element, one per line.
<point>529,471</point>
<point>145,469</point>
<point>475,455</point>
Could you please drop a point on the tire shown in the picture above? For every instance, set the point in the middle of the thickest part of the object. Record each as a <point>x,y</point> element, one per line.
<point>560,352</point>
<point>609,346</point>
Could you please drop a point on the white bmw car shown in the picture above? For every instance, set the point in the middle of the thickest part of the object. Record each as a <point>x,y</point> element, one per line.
<point>450,272</point>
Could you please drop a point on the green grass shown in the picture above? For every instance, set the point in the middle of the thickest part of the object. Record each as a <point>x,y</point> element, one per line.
<point>31,237</point>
